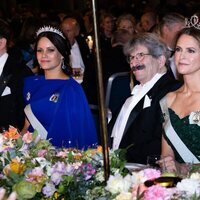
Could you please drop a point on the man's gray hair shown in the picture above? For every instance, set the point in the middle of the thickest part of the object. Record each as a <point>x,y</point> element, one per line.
<point>151,41</point>
<point>171,19</point>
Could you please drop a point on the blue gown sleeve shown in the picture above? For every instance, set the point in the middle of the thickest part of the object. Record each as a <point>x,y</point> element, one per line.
<point>73,125</point>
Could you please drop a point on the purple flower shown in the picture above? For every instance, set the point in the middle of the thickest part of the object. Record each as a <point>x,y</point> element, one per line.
<point>70,170</point>
<point>88,171</point>
<point>59,167</point>
<point>58,170</point>
<point>49,189</point>
<point>24,148</point>
<point>56,178</point>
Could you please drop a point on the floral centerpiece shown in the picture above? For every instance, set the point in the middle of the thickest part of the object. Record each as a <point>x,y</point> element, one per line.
<point>132,187</point>
<point>35,169</point>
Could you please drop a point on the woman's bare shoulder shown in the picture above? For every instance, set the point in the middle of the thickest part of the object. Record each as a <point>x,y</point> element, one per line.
<point>171,96</point>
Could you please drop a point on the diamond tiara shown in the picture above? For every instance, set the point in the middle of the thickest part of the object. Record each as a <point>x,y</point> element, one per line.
<point>194,21</point>
<point>50,29</point>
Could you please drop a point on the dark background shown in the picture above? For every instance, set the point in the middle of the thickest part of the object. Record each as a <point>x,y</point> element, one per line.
<point>8,7</point>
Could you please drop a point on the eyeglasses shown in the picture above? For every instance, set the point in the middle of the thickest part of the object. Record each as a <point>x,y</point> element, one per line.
<point>138,57</point>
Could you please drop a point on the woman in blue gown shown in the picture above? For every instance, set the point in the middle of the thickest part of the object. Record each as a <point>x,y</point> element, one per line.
<point>56,105</point>
<point>181,108</point>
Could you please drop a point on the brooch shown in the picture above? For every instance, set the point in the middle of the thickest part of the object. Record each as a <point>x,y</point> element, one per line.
<point>28,96</point>
<point>54,97</point>
<point>194,118</point>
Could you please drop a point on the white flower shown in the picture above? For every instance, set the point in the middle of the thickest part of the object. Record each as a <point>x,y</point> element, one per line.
<point>117,184</point>
<point>42,161</point>
<point>194,118</point>
<point>139,177</point>
<point>195,176</point>
<point>100,176</point>
<point>1,142</point>
<point>77,165</point>
<point>124,196</point>
<point>115,170</point>
<point>2,159</point>
<point>190,186</point>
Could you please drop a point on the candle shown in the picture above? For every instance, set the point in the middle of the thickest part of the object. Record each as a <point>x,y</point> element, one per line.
<point>90,42</point>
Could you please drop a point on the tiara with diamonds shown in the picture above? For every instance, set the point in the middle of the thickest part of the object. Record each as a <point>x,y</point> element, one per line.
<point>194,21</point>
<point>50,29</point>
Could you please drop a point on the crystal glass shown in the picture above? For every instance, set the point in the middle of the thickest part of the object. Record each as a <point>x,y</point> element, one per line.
<point>152,161</point>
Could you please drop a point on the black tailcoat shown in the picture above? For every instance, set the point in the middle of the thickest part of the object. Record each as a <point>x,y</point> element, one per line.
<point>12,105</point>
<point>143,130</point>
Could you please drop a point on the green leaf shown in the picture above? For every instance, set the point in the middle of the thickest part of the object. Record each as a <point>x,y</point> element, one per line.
<point>19,142</point>
<point>25,190</point>
<point>14,177</point>
<point>35,134</point>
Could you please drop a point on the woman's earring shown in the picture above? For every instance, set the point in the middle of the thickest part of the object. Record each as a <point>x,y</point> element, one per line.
<point>63,64</point>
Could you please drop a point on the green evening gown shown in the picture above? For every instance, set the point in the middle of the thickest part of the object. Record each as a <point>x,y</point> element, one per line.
<point>188,133</point>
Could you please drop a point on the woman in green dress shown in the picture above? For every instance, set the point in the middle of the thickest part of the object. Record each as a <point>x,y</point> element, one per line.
<point>181,108</point>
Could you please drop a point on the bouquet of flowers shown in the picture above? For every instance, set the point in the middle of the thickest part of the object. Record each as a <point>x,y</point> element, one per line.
<point>132,187</point>
<point>35,169</point>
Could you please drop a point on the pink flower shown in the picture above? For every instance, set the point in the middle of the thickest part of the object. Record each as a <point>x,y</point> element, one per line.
<point>156,192</point>
<point>62,154</point>
<point>27,137</point>
<point>138,189</point>
<point>36,175</point>
<point>42,152</point>
<point>151,174</point>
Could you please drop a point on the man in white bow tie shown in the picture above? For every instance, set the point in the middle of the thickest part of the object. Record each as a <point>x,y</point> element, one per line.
<point>138,125</point>
<point>12,71</point>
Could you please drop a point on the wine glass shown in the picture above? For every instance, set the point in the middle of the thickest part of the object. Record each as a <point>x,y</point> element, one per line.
<point>76,73</point>
<point>152,161</point>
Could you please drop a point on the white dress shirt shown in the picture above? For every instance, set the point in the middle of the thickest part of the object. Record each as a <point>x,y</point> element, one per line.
<point>172,64</point>
<point>139,91</point>
<point>3,59</point>
<point>76,58</point>
<point>173,67</point>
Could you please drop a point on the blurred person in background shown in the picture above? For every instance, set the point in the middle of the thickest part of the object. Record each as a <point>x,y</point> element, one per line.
<point>128,22</point>
<point>12,72</point>
<point>26,42</point>
<point>81,58</point>
<point>116,60</point>
<point>107,26</point>
<point>148,21</point>
<point>170,25</point>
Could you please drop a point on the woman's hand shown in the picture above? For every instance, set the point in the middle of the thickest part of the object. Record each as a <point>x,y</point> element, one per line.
<point>13,195</point>
<point>169,164</point>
